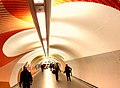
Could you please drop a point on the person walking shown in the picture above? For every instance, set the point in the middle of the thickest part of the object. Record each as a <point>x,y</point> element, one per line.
<point>42,67</point>
<point>68,70</point>
<point>25,78</point>
<point>51,66</point>
<point>57,70</point>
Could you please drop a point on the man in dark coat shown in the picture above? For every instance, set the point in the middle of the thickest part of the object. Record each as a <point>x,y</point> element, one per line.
<point>68,71</point>
<point>25,78</point>
<point>57,70</point>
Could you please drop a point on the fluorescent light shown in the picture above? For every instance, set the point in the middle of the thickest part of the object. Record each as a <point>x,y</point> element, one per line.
<point>41,20</point>
<point>38,1</point>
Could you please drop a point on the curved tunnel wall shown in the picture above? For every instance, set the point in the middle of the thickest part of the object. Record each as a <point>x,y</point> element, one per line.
<point>111,26</point>
<point>102,70</point>
<point>34,60</point>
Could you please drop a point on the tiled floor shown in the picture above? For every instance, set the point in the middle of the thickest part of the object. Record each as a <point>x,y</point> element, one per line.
<point>47,80</point>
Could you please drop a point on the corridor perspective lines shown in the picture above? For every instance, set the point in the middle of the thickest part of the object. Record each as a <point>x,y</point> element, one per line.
<point>47,80</point>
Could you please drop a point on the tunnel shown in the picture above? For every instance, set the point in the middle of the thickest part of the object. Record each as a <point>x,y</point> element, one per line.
<point>81,33</point>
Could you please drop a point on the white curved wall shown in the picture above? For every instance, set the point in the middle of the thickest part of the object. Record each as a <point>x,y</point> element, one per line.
<point>102,70</point>
<point>84,29</point>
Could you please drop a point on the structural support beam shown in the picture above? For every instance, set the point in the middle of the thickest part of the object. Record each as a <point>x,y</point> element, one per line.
<point>47,7</point>
<point>35,19</point>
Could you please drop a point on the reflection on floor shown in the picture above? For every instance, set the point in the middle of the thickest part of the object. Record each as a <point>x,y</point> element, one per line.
<point>47,80</point>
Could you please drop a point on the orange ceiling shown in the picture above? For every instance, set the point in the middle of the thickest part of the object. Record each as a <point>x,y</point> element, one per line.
<point>15,12</point>
<point>20,8</point>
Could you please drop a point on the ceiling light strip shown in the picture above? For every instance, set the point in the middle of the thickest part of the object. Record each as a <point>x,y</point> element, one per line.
<point>35,20</point>
<point>47,7</point>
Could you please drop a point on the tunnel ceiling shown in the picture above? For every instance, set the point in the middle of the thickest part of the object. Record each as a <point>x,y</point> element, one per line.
<point>79,28</point>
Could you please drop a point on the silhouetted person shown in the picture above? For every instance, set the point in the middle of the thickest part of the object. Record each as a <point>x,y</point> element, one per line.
<point>25,78</point>
<point>51,66</point>
<point>42,67</point>
<point>57,69</point>
<point>68,71</point>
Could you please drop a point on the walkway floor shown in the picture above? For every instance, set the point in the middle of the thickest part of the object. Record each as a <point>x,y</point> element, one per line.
<point>47,80</point>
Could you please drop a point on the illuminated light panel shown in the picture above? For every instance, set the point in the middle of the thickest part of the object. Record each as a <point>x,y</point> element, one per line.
<point>45,46</point>
<point>41,20</point>
<point>38,1</point>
